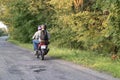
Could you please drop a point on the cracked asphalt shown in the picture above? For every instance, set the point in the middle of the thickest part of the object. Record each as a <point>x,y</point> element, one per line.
<point>17,63</point>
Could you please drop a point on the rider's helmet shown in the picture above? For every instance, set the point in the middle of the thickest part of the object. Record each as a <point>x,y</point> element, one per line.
<point>39,27</point>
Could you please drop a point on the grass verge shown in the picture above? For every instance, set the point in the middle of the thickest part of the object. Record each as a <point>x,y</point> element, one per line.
<point>85,58</point>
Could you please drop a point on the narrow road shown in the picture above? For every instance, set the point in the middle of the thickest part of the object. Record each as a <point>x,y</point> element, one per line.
<point>17,63</point>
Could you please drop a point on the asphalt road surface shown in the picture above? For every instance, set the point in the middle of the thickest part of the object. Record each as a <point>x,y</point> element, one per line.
<point>17,63</point>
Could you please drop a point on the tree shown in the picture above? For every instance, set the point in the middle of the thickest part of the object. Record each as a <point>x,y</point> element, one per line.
<point>1,32</point>
<point>24,16</point>
<point>114,25</point>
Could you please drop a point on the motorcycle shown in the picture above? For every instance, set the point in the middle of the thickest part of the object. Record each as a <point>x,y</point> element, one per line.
<point>42,50</point>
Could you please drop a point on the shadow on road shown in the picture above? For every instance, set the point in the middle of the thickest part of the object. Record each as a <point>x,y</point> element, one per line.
<point>51,58</point>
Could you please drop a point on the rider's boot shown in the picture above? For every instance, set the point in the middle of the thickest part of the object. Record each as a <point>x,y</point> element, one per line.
<point>36,52</point>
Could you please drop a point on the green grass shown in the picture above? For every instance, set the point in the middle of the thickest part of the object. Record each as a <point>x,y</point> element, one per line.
<point>24,45</point>
<point>84,58</point>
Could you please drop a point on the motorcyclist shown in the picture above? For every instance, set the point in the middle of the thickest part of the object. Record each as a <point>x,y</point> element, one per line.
<point>46,37</point>
<point>36,37</point>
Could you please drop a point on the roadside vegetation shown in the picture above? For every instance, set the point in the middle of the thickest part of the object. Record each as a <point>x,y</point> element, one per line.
<point>2,32</point>
<point>83,31</point>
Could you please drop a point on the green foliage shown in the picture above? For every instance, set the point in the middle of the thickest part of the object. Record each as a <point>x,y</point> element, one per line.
<point>114,23</point>
<point>25,16</point>
<point>21,24</point>
<point>1,32</point>
<point>95,28</point>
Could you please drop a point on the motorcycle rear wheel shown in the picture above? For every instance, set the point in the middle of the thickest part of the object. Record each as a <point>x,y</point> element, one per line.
<point>42,54</point>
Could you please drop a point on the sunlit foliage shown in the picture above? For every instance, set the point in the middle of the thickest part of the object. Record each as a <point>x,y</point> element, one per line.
<point>82,24</point>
